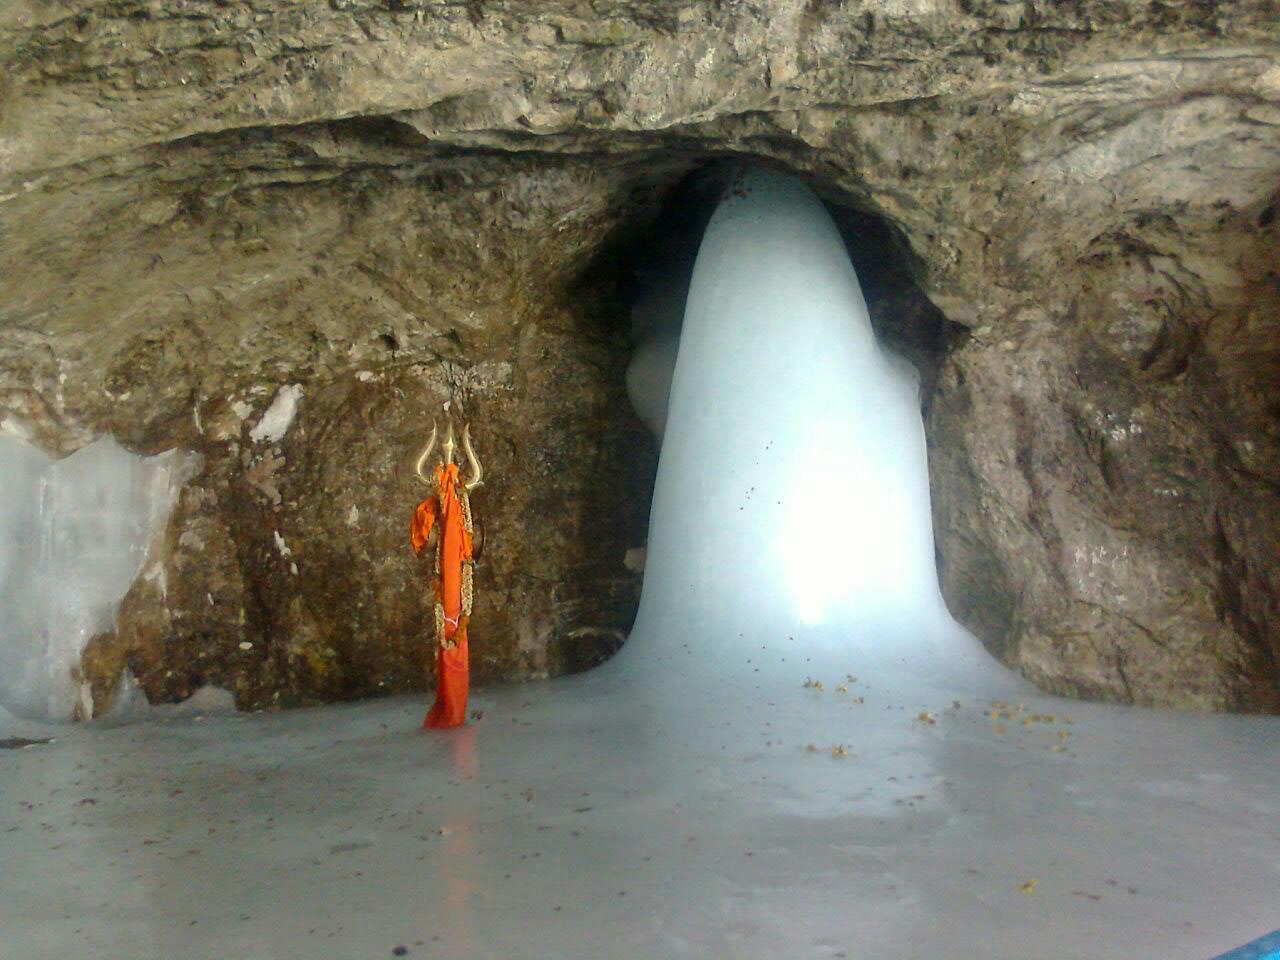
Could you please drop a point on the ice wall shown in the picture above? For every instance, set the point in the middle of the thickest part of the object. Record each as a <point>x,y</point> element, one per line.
<point>791,510</point>
<point>75,534</point>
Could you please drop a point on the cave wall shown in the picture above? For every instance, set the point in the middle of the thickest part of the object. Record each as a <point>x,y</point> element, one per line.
<point>394,204</point>
<point>1102,529</point>
<point>302,335</point>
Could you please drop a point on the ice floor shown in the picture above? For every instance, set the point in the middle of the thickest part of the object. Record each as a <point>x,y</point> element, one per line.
<point>576,818</point>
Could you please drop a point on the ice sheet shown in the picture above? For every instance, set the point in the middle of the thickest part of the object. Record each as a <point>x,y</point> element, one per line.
<point>576,820</point>
<point>74,536</point>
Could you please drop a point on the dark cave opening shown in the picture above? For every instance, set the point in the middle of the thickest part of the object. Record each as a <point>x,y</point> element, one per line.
<point>638,280</point>
<point>646,264</point>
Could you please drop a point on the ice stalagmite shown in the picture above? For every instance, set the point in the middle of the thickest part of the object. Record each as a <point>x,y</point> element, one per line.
<point>791,508</point>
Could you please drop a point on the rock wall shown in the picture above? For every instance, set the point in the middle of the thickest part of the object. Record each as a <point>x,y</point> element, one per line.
<point>390,204</point>
<point>302,338</point>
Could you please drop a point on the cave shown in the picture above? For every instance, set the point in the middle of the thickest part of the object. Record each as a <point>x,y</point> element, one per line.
<point>250,259</point>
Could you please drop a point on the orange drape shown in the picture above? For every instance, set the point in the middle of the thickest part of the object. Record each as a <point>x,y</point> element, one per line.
<point>452,676</point>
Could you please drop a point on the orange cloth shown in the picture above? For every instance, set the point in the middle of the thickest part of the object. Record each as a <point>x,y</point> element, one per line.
<point>452,674</point>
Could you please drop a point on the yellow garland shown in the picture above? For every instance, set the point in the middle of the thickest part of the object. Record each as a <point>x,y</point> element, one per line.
<point>440,639</point>
<point>468,577</point>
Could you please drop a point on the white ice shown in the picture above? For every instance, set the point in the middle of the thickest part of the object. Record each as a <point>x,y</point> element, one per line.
<point>699,795</point>
<point>75,535</point>
<point>277,420</point>
<point>791,510</point>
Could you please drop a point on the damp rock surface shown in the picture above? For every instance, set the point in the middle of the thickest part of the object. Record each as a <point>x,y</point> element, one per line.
<point>371,208</point>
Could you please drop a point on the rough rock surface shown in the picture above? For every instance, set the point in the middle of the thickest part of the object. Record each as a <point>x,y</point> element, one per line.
<point>393,203</point>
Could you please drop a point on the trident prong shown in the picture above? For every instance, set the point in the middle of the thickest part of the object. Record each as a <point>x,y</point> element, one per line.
<point>449,444</point>
<point>426,452</point>
<point>477,472</point>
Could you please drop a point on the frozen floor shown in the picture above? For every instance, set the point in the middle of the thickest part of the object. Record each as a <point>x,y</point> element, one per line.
<point>573,820</point>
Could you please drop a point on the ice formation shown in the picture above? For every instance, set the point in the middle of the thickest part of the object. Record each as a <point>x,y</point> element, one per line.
<point>275,423</point>
<point>655,326</point>
<point>649,378</point>
<point>74,536</point>
<point>792,504</point>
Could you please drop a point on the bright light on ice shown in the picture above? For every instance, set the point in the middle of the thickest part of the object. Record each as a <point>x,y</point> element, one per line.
<point>841,572</point>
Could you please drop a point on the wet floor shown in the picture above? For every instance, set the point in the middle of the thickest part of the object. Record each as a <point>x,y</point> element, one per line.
<point>578,819</point>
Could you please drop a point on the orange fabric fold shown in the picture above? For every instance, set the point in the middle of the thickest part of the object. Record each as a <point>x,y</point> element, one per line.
<point>454,550</point>
<point>452,685</point>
